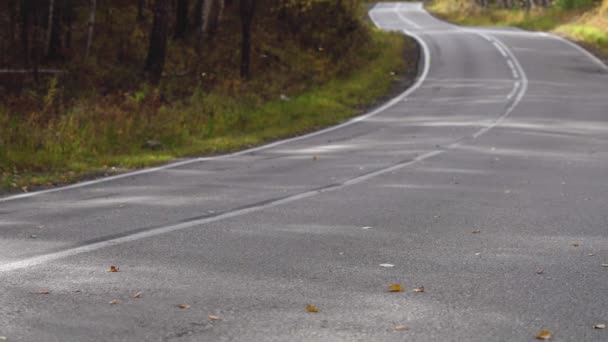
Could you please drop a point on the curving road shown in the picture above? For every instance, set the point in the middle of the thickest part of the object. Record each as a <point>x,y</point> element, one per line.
<point>486,183</point>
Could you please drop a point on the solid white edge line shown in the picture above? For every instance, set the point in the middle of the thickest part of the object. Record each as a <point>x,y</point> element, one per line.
<point>352,121</point>
<point>591,56</point>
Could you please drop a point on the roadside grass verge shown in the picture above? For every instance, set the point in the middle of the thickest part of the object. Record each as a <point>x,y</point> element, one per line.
<point>141,129</point>
<point>586,25</point>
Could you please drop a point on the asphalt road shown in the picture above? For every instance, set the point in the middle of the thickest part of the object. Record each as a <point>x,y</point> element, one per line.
<point>486,183</point>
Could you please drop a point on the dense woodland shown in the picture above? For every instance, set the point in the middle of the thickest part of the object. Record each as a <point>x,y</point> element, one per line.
<point>54,36</point>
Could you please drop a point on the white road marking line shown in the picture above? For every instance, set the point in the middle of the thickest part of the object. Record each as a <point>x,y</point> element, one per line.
<point>522,89</point>
<point>404,19</point>
<point>513,91</point>
<point>500,49</point>
<point>34,261</point>
<point>596,60</point>
<point>512,67</point>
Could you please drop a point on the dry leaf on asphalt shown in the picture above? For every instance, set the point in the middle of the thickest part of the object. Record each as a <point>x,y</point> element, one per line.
<point>137,295</point>
<point>599,326</point>
<point>183,306</point>
<point>3,338</point>
<point>419,289</point>
<point>41,292</point>
<point>476,231</point>
<point>114,301</point>
<point>544,335</point>
<point>311,308</point>
<point>395,288</point>
<point>575,244</point>
<point>113,269</point>
<point>401,328</point>
<point>314,157</point>
<point>213,318</point>
<point>540,271</point>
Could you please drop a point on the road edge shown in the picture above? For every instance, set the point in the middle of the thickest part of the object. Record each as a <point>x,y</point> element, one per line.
<point>422,65</point>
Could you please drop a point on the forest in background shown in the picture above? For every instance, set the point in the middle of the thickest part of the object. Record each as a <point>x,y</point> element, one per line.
<point>98,87</point>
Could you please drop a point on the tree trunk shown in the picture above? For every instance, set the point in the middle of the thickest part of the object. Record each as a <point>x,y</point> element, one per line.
<point>92,10</point>
<point>12,8</point>
<point>181,19</point>
<point>68,20</point>
<point>197,16</point>
<point>54,43</point>
<point>49,30</point>
<point>212,12</point>
<point>247,10</point>
<point>25,31</point>
<point>157,50</point>
<point>140,10</point>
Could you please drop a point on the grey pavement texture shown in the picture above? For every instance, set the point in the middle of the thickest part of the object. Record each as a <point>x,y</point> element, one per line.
<point>487,184</point>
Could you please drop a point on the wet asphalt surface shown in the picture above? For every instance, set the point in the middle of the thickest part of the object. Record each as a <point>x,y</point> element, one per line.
<point>486,184</point>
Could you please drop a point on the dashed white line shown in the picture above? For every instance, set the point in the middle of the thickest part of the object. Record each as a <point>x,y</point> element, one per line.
<point>512,67</point>
<point>500,49</point>
<point>404,19</point>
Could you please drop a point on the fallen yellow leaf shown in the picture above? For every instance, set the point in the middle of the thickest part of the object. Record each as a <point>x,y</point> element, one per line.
<point>137,295</point>
<point>41,292</point>
<point>599,326</point>
<point>114,301</point>
<point>213,318</point>
<point>401,328</point>
<point>395,288</point>
<point>311,308</point>
<point>544,335</point>
<point>183,306</point>
<point>113,269</point>
<point>419,289</point>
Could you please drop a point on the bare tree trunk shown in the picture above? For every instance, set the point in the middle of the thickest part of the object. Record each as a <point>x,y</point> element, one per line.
<point>92,10</point>
<point>69,19</point>
<point>140,10</point>
<point>25,30</point>
<point>157,50</point>
<point>13,12</point>
<point>49,30</point>
<point>247,10</point>
<point>181,19</point>
<point>212,12</point>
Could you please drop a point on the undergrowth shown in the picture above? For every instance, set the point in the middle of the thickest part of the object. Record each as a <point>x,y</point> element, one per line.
<point>103,134</point>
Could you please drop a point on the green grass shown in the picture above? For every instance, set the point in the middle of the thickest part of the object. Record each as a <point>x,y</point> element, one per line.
<point>587,25</point>
<point>588,35</point>
<point>106,136</point>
